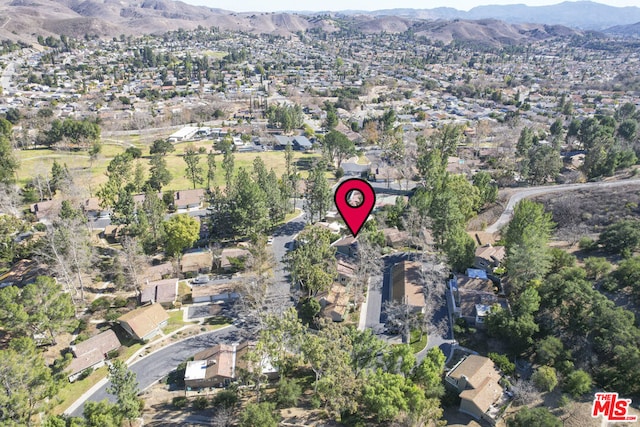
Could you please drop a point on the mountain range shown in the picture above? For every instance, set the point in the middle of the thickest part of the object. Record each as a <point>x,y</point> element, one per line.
<point>584,15</point>
<point>489,25</point>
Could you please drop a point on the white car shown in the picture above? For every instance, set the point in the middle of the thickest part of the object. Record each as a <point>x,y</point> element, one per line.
<point>200,280</point>
<point>270,241</point>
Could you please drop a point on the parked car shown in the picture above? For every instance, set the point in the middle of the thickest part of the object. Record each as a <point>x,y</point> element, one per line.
<point>200,280</point>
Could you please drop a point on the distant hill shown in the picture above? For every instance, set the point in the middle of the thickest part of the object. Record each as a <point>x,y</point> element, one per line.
<point>490,32</point>
<point>585,15</point>
<point>632,30</point>
<point>26,19</point>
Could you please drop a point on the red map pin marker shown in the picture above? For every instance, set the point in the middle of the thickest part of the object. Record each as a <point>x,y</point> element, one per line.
<point>355,199</point>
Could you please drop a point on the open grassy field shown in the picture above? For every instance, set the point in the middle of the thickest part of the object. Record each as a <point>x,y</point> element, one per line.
<point>39,162</point>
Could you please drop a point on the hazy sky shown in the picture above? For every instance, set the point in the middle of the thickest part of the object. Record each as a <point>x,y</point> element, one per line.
<point>333,5</point>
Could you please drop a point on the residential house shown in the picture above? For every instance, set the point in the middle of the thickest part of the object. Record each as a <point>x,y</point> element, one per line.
<point>158,272</point>
<point>281,142</point>
<point>395,238</point>
<point>354,169</point>
<point>144,322</point>
<point>346,270</point>
<point>188,199</point>
<point>92,353</point>
<point>45,210</point>
<point>335,302</point>
<point>164,292</point>
<point>22,273</point>
<point>183,134</point>
<point>228,254</point>
<point>477,382</point>
<point>216,366</point>
<point>489,257</point>
<point>301,143</point>
<point>407,285</point>
<point>473,295</point>
<point>215,290</point>
<point>220,365</point>
<point>196,262</point>
<point>91,208</point>
<point>348,245</point>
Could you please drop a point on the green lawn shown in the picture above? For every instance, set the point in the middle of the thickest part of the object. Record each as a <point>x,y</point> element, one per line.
<point>71,392</point>
<point>363,160</point>
<point>175,322</point>
<point>288,217</point>
<point>39,162</point>
<point>417,344</point>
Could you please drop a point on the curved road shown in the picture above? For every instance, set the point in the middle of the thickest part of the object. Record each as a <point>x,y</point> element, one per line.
<point>158,364</point>
<point>536,191</point>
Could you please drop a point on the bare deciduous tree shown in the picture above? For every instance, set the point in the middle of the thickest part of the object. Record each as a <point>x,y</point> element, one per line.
<point>524,392</point>
<point>133,261</point>
<point>403,318</point>
<point>10,200</point>
<point>68,251</point>
<point>223,417</point>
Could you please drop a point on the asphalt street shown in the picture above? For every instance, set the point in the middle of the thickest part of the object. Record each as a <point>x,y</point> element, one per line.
<point>278,295</point>
<point>152,368</point>
<point>536,191</point>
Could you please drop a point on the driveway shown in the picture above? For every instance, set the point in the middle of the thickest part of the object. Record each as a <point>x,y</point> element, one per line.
<point>380,292</point>
<point>157,365</point>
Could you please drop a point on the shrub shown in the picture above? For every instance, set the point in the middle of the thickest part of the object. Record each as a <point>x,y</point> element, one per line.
<point>259,415</point>
<point>111,316</point>
<point>545,378</point>
<point>539,417</point>
<point>101,303</point>
<point>112,354</point>
<point>120,302</point>
<point>288,393</point>
<point>577,383</point>
<point>85,374</point>
<point>180,401</point>
<point>82,336</point>
<point>225,399</point>
<point>503,363</point>
<point>200,403</point>
<point>82,325</point>
<point>587,244</point>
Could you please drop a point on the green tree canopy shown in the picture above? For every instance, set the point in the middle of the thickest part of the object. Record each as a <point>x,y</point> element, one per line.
<point>259,415</point>
<point>181,231</point>
<point>38,308</point>
<point>338,147</point>
<point>193,171</point>
<point>539,417</point>
<point>545,378</point>
<point>312,263</point>
<point>162,147</point>
<point>8,162</point>
<point>26,383</point>
<point>124,386</point>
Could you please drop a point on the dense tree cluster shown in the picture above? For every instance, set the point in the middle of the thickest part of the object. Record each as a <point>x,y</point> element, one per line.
<point>78,132</point>
<point>357,376</point>
<point>253,202</point>
<point>285,117</point>
<point>579,332</point>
